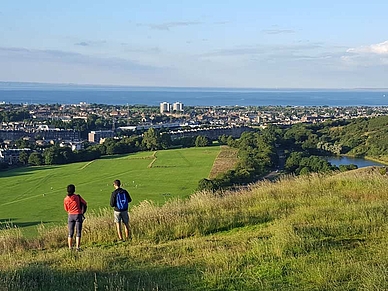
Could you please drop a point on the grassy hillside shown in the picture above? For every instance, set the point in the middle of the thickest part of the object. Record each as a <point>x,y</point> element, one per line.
<point>33,195</point>
<point>300,233</point>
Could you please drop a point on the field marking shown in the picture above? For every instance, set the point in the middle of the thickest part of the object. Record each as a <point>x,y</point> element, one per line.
<point>16,201</point>
<point>87,165</point>
<point>153,161</point>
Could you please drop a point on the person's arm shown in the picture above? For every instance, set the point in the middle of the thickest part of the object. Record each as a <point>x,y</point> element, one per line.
<point>113,199</point>
<point>65,205</point>
<point>129,196</point>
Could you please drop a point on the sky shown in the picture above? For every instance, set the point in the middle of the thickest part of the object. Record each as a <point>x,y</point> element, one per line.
<point>202,43</point>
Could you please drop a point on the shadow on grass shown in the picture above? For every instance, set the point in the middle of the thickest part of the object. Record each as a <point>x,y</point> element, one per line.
<point>25,170</point>
<point>38,276</point>
<point>11,223</point>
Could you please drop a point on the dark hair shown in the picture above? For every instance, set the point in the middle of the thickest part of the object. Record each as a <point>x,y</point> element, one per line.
<point>70,189</point>
<point>117,183</point>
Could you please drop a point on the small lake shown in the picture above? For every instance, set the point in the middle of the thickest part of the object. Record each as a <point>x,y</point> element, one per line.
<point>337,161</point>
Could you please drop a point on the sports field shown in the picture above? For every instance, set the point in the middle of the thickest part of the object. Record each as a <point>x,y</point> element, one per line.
<point>30,196</point>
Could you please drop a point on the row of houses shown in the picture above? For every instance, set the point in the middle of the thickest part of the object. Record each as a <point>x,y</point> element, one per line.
<point>211,133</point>
<point>11,156</point>
<point>56,134</point>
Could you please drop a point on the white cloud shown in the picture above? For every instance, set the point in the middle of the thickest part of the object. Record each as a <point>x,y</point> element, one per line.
<point>379,49</point>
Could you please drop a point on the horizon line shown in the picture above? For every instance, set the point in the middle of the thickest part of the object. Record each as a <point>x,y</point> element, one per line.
<point>191,87</point>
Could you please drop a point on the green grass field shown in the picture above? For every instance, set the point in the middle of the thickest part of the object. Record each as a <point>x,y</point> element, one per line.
<point>30,196</point>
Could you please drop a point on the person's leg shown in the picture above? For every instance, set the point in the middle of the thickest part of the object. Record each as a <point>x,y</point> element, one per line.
<point>127,231</point>
<point>125,217</point>
<point>117,216</point>
<point>78,227</point>
<point>118,226</point>
<point>70,225</point>
<point>77,242</point>
<point>70,242</point>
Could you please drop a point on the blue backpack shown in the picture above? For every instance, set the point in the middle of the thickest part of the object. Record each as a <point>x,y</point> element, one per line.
<point>121,201</point>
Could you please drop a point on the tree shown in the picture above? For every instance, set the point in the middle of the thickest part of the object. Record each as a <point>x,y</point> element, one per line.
<point>35,159</point>
<point>151,139</point>
<point>50,156</point>
<point>165,140</point>
<point>23,157</point>
<point>202,141</point>
<point>206,185</point>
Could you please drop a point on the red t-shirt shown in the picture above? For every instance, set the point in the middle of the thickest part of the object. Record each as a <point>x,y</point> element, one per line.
<point>72,204</point>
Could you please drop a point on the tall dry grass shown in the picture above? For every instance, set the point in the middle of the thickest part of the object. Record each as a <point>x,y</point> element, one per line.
<point>318,232</point>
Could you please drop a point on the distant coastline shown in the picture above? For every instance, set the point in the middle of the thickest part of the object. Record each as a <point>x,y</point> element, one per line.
<point>43,93</point>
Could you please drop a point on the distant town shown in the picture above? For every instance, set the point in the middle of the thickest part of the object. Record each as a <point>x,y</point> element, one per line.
<point>74,125</point>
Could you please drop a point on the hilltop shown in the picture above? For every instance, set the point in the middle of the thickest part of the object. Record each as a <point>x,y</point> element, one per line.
<point>316,232</point>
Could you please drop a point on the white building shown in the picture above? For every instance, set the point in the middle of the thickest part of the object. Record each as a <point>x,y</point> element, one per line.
<point>177,107</point>
<point>164,107</point>
<point>98,135</point>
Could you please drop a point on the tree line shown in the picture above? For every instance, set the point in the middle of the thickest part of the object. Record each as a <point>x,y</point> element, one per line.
<point>151,140</point>
<point>298,149</point>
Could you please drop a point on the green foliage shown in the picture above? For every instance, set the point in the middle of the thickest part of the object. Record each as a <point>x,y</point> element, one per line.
<point>361,136</point>
<point>357,137</point>
<point>350,167</point>
<point>151,139</point>
<point>23,157</point>
<point>256,157</point>
<point>206,185</point>
<point>223,139</point>
<point>185,142</point>
<point>202,141</point>
<point>301,163</point>
<point>14,115</point>
<point>58,155</point>
<point>35,159</point>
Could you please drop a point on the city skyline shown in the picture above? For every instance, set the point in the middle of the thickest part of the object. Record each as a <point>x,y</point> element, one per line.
<point>240,44</point>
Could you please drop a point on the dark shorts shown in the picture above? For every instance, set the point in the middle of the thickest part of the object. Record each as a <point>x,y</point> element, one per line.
<point>75,221</point>
<point>121,216</point>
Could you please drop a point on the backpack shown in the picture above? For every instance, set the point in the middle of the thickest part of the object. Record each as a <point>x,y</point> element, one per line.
<point>121,200</point>
<point>83,206</point>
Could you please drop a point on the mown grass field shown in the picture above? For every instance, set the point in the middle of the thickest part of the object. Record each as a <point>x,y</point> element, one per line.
<point>30,196</point>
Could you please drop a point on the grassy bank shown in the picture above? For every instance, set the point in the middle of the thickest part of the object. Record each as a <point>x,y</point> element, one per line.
<point>303,233</point>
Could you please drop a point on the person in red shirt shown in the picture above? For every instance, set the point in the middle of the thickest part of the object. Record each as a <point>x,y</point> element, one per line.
<point>74,205</point>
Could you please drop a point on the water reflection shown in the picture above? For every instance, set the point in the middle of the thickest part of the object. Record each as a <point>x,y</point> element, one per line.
<point>360,162</point>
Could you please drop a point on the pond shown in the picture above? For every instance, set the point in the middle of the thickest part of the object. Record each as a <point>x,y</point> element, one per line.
<point>360,162</point>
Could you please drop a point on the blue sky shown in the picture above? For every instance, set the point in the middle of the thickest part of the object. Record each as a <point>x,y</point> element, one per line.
<point>255,44</point>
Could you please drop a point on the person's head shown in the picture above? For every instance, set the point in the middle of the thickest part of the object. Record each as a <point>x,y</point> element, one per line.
<point>116,183</point>
<point>70,189</point>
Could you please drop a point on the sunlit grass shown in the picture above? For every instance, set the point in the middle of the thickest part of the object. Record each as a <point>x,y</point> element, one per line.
<point>321,232</point>
<point>32,196</point>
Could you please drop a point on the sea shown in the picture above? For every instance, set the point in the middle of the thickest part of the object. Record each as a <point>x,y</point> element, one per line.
<point>37,93</point>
